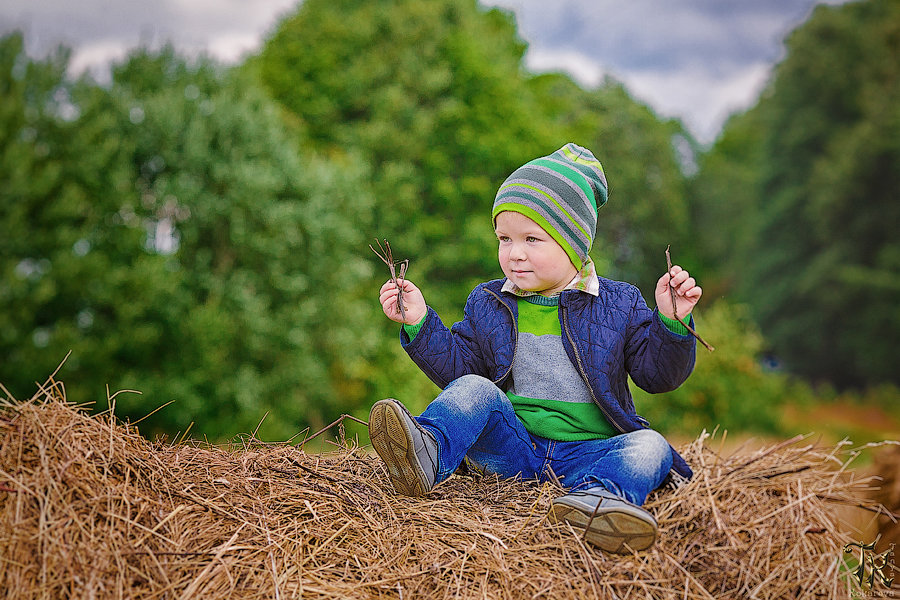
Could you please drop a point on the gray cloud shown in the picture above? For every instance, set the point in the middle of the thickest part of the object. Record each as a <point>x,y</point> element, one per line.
<point>648,34</point>
<point>98,30</point>
<point>697,60</point>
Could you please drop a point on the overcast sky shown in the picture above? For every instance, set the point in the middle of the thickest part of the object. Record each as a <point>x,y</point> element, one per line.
<point>698,60</point>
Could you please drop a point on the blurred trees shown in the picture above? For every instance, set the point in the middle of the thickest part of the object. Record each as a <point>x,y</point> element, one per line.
<point>200,233</point>
<point>68,270</point>
<point>799,198</point>
<point>645,161</point>
<point>176,241</point>
<point>265,238</point>
<point>729,388</point>
<point>433,96</point>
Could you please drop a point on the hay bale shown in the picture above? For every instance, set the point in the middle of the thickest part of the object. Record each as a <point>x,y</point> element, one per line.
<point>90,509</point>
<point>886,467</point>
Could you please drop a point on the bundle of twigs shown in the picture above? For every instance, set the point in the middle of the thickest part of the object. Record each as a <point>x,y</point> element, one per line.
<point>397,269</point>
<point>90,509</point>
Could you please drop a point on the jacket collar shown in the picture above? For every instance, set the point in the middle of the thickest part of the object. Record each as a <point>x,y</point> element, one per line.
<point>586,280</point>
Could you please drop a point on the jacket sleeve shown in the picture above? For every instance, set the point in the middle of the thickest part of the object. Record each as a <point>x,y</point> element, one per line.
<point>657,359</point>
<point>445,355</point>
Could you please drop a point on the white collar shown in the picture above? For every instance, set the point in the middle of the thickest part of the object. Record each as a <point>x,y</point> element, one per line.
<point>585,280</point>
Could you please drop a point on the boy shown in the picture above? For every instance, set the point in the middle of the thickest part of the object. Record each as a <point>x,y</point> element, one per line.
<point>534,377</point>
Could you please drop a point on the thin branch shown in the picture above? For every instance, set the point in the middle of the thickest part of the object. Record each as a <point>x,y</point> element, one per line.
<point>388,258</point>
<point>675,305</point>
<point>158,553</point>
<point>338,421</point>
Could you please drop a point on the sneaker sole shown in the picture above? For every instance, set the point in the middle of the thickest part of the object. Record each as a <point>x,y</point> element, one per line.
<point>614,530</point>
<point>393,443</point>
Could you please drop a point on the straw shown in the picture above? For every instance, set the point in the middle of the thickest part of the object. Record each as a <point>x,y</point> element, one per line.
<point>91,509</point>
<point>886,467</point>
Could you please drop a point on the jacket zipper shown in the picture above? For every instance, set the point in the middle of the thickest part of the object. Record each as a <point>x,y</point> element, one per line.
<point>515,336</point>
<point>565,317</point>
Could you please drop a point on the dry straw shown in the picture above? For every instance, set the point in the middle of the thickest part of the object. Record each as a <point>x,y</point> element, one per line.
<point>886,467</point>
<point>90,509</point>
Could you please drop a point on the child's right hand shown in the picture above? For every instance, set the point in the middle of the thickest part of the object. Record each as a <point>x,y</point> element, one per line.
<point>413,302</point>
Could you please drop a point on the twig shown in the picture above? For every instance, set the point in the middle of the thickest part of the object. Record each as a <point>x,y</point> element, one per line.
<point>157,553</point>
<point>784,444</point>
<point>283,471</point>
<point>337,421</point>
<point>878,509</point>
<point>310,471</point>
<point>675,305</point>
<point>388,258</point>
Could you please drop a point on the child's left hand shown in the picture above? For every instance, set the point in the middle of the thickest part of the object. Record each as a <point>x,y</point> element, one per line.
<point>687,293</point>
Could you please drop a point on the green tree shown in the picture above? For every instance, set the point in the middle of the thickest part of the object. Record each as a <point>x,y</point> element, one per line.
<point>647,207</point>
<point>729,388</point>
<point>205,261</point>
<point>818,259</point>
<point>67,269</point>
<point>268,248</point>
<point>433,95</point>
<point>724,202</point>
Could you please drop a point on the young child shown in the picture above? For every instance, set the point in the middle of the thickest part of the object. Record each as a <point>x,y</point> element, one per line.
<point>534,377</point>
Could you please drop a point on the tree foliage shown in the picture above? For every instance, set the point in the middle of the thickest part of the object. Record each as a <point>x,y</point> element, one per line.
<point>435,96</point>
<point>190,252</point>
<point>200,233</point>
<point>731,388</point>
<point>432,95</point>
<point>647,208</point>
<point>62,252</point>
<point>804,190</point>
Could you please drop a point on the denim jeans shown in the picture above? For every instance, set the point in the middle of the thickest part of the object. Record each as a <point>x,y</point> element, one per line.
<point>473,418</point>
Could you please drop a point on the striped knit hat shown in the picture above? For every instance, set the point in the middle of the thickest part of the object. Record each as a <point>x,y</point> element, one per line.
<point>561,193</point>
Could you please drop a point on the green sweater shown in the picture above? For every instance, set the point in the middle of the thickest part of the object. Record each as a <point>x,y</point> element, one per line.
<point>547,392</point>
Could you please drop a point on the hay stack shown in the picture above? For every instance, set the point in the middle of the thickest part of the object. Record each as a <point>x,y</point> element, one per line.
<point>90,509</point>
<point>886,467</point>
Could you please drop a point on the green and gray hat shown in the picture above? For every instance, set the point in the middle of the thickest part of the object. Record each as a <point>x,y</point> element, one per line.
<point>561,193</point>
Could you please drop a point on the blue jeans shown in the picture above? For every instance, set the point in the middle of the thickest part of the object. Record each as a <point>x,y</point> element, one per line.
<point>473,418</point>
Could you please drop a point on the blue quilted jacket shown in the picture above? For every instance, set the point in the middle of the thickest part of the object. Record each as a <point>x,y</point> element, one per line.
<point>607,338</point>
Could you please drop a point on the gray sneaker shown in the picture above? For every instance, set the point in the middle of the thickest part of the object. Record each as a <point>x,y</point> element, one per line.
<point>409,452</point>
<point>612,523</point>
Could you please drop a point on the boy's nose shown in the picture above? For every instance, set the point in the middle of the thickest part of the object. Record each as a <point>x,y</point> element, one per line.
<point>517,252</point>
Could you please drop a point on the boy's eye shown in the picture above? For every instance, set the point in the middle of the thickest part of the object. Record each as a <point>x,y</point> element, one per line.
<point>503,238</point>
<point>531,238</point>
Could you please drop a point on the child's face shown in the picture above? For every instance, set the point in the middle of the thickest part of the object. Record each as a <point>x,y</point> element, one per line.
<point>529,257</point>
